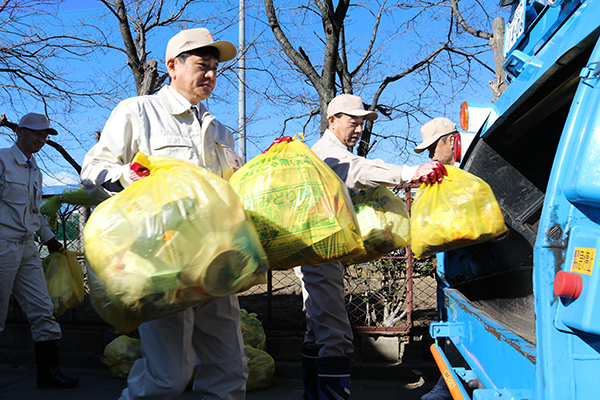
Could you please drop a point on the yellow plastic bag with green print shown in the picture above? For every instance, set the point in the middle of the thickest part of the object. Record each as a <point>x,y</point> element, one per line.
<point>253,332</point>
<point>300,207</point>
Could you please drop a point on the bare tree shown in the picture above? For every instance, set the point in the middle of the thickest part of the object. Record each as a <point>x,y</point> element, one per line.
<point>38,70</point>
<point>496,41</point>
<point>135,25</point>
<point>364,47</point>
<point>24,52</point>
<point>388,53</point>
<point>34,66</point>
<point>25,55</point>
<point>333,19</point>
<point>139,22</point>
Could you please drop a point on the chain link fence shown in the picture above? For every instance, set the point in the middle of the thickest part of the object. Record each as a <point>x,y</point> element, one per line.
<point>378,299</point>
<point>394,294</point>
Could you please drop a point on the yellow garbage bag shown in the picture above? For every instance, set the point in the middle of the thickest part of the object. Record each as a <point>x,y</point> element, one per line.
<point>64,279</point>
<point>261,369</point>
<point>460,211</point>
<point>253,332</point>
<point>300,207</point>
<point>121,354</point>
<point>384,223</point>
<point>167,242</point>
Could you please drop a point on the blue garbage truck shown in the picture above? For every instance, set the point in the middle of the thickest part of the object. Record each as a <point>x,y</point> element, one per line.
<point>520,314</point>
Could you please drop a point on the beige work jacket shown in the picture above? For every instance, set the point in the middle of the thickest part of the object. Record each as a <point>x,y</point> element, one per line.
<point>359,172</point>
<point>156,125</point>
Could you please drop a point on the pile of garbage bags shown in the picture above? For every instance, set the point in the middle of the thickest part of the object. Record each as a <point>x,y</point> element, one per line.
<point>121,353</point>
<point>183,235</point>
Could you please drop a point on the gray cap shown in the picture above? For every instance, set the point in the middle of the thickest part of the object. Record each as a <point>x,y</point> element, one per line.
<point>36,122</point>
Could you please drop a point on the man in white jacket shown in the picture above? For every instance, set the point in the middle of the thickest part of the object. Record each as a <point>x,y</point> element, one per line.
<point>174,122</point>
<point>21,270</point>
<point>328,338</point>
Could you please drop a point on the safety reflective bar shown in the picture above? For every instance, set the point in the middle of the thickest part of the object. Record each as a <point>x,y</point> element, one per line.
<point>456,388</point>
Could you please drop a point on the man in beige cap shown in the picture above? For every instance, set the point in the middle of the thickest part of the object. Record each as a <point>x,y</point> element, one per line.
<point>21,269</point>
<point>328,339</point>
<point>442,140</point>
<point>174,122</point>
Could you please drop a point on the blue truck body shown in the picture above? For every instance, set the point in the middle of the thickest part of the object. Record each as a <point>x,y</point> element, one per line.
<point>506,331</point>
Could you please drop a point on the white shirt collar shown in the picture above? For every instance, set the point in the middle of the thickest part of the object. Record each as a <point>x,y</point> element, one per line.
<point>185,101</point>
<point>201,109</point>
<point>24,158</point>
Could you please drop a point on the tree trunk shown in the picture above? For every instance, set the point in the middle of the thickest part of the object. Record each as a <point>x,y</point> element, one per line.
<point>497,44</point>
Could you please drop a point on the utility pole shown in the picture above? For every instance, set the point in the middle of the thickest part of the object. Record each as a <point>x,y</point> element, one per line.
<point>242,81</point>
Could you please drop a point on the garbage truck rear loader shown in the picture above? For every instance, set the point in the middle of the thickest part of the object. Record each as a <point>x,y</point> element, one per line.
<point>521,313</point>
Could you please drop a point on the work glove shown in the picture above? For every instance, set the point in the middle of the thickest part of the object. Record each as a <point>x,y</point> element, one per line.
<point>430,173</point>
<point>137,171</point>
<point>53,245</point>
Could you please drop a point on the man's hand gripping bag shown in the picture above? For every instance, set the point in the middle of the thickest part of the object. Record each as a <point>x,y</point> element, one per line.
<point>300,207</point>
<point>384,223</point>
<point>460,211</point>
<point>167,242</point>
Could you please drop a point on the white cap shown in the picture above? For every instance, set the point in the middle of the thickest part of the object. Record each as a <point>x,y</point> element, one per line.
<point>191,39</point>
<point>350,105</point>
<point>433,130</point>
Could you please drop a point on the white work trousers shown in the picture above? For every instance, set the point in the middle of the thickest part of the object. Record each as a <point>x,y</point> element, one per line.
<point>208,335</point>
<point>21,272</point>
<point>327,324</point>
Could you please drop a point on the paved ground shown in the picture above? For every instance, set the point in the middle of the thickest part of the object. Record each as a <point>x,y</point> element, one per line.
<point>18,383</point>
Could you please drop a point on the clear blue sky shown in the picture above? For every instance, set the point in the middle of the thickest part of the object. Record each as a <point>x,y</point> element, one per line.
<point>269,123</point>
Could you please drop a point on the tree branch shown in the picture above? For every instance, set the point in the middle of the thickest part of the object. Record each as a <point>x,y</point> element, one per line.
<point>65,154</point>
<point>369,49</point>
<point>5,122</point>
<point>463,23</point>
<point>286,46</point>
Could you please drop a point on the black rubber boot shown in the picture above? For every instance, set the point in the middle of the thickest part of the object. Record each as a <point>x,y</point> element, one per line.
<point>334,378</point>
<point>309,373</point>
<point>48,374</point>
